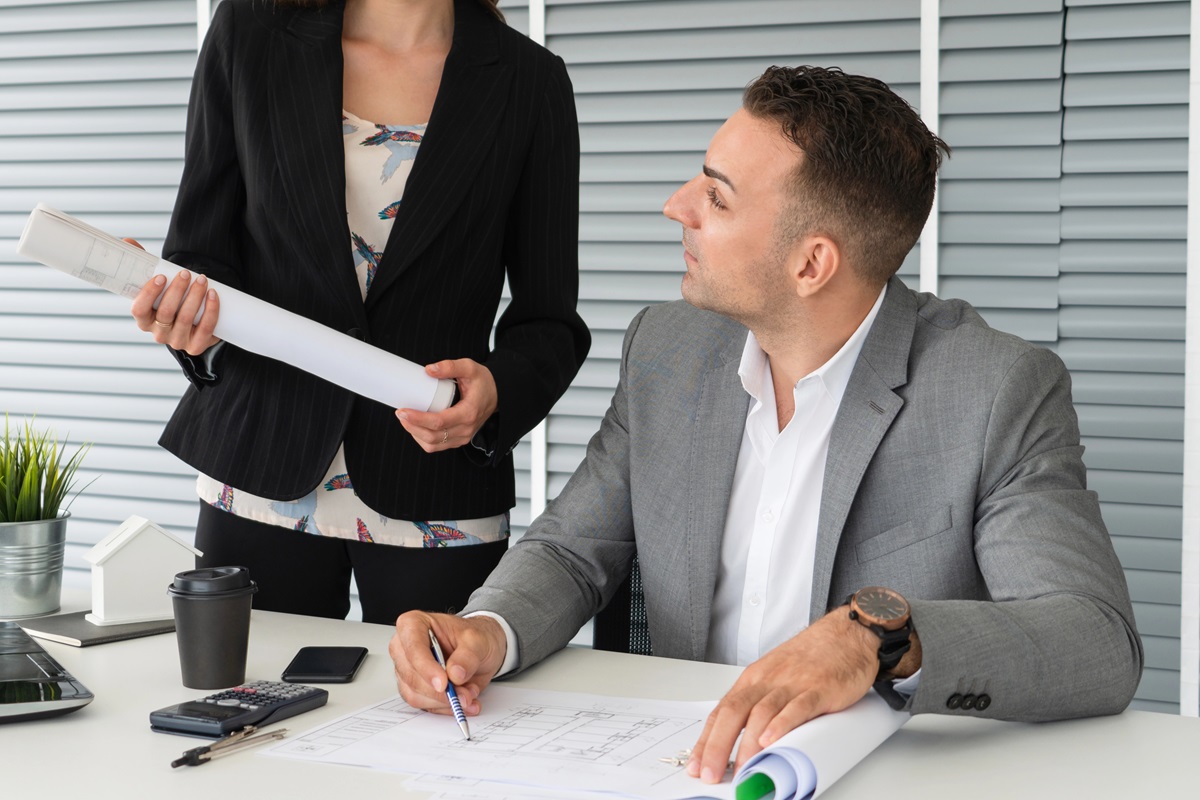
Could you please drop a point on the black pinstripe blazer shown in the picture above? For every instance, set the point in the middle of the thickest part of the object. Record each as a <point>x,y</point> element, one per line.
<point>261,207</point>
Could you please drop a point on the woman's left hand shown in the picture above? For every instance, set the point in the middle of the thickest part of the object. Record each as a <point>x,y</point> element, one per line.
<point>454,427</point>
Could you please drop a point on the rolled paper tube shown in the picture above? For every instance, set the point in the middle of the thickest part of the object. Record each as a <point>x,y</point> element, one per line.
<point>76,248</point>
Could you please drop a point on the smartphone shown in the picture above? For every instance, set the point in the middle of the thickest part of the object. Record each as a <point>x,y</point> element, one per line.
<point>325,665</point>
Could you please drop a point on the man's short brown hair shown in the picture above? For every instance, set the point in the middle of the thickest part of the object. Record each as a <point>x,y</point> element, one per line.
<point>869,168</point>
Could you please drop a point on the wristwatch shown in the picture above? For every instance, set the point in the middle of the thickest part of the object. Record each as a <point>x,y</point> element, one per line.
<point>886,614</point>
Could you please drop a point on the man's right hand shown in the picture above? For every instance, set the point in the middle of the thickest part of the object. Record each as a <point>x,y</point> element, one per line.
<point>474,649</point>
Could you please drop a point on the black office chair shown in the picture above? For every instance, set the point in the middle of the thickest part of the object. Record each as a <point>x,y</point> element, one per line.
<point>621,625</point>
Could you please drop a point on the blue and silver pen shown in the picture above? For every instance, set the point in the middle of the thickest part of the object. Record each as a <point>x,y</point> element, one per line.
<point>451,695</point>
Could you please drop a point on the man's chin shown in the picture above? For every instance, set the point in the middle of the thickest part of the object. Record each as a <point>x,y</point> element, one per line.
<point>694,297</point>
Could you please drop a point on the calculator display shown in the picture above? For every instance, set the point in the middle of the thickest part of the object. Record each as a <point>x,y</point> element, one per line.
<point>204,711</point>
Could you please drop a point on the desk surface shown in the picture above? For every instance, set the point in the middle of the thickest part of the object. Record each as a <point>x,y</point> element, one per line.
<point>107,749</point>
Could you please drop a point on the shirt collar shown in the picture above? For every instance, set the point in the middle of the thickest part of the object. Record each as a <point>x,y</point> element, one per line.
<point>834,373</point>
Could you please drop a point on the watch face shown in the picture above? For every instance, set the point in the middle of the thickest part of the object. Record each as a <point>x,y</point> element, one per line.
<point>881,605</point>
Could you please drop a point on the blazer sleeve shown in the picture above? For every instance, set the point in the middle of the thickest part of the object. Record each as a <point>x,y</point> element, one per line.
<point>541,341</point>
<point>1057,637</point>
<point>578,552</point>
<point>205,231</point>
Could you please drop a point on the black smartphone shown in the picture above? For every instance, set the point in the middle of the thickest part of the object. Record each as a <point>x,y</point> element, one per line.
<point>325,664</point>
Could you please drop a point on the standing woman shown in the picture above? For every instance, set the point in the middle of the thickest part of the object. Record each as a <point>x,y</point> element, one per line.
<point>379,166</point>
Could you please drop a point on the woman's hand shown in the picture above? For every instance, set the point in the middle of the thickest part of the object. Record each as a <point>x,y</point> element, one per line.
<point>454,427</point>
<point>171,323</point>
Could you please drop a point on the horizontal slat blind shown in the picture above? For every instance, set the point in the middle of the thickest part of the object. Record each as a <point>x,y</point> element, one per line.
<point>1001,113</point>
<point>92,108</point>
<point>1121,291</point>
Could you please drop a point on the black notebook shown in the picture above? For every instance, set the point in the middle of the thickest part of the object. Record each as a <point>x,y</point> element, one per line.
<point>73,629</point>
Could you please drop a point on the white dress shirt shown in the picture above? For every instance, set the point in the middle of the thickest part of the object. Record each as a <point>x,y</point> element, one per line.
<point>764,585</point>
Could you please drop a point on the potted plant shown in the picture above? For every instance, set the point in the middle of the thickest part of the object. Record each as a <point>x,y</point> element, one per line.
<point>36,477</point>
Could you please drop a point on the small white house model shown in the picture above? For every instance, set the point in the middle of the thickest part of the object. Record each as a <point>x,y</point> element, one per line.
<point>131,569</point>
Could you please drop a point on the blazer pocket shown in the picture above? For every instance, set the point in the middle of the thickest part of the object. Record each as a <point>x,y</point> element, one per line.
<point>904,535</point>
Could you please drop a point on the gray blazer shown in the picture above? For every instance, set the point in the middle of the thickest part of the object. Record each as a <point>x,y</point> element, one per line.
<point>954,476</point>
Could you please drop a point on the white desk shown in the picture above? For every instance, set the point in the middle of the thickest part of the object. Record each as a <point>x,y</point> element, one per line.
<point>107,750</point>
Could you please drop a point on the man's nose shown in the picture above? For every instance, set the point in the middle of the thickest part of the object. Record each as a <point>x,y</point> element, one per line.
<point>677,207</point>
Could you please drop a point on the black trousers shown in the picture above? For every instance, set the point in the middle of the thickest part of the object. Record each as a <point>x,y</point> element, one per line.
<point>299,573</point>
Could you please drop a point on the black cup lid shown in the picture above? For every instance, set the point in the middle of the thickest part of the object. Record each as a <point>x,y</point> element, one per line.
<point>211,580</point>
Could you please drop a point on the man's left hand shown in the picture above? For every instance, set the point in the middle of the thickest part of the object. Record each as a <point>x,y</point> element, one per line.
<point>454,427</point>
<point>825,668</point>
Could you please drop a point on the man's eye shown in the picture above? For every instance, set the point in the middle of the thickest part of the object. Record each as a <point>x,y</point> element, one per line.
<point>712,198</point>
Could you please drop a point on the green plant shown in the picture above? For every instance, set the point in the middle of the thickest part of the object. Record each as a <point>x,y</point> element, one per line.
<point>35,475</point>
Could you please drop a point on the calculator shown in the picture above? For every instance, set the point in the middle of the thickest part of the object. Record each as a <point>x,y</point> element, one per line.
<point>257,703</point>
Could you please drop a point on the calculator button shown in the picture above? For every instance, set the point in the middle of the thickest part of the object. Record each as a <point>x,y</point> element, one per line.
<point>229,701</point>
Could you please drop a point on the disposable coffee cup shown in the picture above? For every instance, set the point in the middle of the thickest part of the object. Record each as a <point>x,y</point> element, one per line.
<point>212,625</point>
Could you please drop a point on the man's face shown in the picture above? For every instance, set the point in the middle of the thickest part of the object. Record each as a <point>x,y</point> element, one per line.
<point>735,264</point>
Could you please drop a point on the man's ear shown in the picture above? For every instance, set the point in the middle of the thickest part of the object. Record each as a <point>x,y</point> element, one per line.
<point>814,261</point>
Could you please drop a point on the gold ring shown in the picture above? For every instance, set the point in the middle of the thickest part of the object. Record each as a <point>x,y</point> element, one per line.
<point>163,324</point>
<point>445,435</point>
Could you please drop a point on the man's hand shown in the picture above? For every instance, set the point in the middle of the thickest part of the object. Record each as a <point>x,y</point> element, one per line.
<point>825,668</point>
<point>454,427</point>
<point>474,650</point>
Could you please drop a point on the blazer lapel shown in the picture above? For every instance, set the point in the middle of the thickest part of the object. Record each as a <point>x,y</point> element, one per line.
<point>466,114</point>
<point>868,408</point>
<point>716,439</point>
<point>306,109</point>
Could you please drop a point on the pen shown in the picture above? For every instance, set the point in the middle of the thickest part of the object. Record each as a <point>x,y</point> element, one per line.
<point>451,695</point>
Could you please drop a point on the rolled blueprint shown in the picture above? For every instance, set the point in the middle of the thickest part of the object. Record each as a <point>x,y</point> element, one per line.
<point>60,241</point>
<point>805,762</point>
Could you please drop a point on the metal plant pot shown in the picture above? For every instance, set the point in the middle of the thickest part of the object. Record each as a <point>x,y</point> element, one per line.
<point>31,567</point>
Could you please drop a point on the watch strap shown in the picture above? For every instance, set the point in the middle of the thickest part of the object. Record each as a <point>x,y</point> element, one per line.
<point>892,646</point>
<point>886,688</point>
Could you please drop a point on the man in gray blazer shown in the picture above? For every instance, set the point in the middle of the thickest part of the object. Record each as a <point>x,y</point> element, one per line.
<point>824,475</point>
